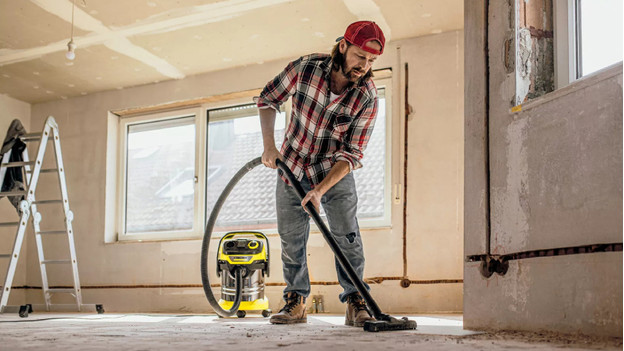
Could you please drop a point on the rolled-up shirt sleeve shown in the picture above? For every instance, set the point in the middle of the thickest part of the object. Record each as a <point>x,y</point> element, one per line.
<point>280,88</point>
<point>357,137</point>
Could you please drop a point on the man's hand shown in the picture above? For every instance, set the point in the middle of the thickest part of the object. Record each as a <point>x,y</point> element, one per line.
<point>314,196</point>
<point>269,156</point>
<point>338,171</point>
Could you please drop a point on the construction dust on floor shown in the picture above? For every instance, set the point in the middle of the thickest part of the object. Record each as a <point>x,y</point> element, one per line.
<point>54,331</point>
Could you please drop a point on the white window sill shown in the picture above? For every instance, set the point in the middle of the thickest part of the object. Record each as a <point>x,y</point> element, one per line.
<point>579,84</point>
<point>167,237</point>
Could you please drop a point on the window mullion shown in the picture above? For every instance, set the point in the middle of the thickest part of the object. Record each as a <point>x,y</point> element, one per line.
<point>577,42</point>
<point>199,214</point>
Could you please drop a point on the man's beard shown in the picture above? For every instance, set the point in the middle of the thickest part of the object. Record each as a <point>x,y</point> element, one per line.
<point>350,74</point>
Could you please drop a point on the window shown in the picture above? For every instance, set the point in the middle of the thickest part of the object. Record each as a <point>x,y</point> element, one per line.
<point>372,180</point>
<point>174,165</point>
<point>600,34</point>
<point>588,37</point>
<point>560,41</point>
<point>159,178</point>
<point>235,138</point>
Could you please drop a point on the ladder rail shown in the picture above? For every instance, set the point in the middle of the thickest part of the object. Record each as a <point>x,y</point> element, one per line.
<point>36,219</point>
<point>34,175</point>
<point>18,241</point>
<point>17,246</point>
<point>69,216</point>
<point>5,159</point>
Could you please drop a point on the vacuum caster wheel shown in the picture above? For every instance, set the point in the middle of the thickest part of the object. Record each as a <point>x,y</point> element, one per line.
<point>266,313</point>
<point>241,314</point>
<point>24,310</point>
<point>99,309</point>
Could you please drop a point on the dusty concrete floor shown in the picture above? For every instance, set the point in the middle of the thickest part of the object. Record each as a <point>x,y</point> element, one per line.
<point>43,331</point>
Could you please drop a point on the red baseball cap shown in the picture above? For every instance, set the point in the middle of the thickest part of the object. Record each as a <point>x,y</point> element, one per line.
<point>361,32</point>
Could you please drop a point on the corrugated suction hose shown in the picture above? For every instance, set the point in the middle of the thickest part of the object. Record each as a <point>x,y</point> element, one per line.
<point>206,244</point>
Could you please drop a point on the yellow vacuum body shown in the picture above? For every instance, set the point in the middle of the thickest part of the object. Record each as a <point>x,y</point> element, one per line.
<point>250,251</point>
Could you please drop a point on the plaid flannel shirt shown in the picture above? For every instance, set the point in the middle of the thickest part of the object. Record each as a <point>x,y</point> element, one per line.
<point>321,132</point>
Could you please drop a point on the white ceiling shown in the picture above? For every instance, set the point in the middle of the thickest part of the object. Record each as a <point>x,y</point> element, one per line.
<point>124,43</point>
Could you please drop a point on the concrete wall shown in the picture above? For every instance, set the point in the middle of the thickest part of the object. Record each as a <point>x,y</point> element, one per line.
<point>435,221</point>
<point>11,109</point>
<point>555,181</point>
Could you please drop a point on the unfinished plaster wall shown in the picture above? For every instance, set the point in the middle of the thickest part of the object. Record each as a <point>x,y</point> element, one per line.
<point>535,73</point>
<point>11,109</point>
<point>164,276</point>
<point>554,176</point>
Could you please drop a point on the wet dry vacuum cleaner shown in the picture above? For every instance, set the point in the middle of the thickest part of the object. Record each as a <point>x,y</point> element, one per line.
<point>240,272</point>
<point>248,251</point>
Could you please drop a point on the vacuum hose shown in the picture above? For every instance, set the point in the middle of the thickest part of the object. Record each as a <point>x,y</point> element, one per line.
<point>206,243</point>
<point>315,216</point>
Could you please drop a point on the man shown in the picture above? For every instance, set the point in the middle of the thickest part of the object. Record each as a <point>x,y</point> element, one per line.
<point>334,105</point>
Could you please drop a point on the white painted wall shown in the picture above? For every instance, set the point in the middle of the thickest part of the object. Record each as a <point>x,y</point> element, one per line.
<point>435,220</point>
<point>11,109</point>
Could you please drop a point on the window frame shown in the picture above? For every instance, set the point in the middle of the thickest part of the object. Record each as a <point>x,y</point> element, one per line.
<point>200,113</point>
<point>124,125</point>
<point>386,221</point>
<point>566,42</point>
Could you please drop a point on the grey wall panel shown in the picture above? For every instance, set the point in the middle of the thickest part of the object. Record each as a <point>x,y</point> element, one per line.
<point>570,294</point>
<point>560,183</point>
<point>475,128</point>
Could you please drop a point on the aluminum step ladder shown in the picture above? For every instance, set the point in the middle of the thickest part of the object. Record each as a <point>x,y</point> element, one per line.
<point>28,210</point>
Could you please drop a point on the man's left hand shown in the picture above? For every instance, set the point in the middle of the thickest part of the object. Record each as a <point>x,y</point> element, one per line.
<point>313,196</point>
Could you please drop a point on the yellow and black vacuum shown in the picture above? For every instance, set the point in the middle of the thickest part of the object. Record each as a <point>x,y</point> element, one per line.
<point>248,252</point>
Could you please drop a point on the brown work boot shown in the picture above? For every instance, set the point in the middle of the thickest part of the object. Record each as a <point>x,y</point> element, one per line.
<point>357,312</point>
<point>293,312</point>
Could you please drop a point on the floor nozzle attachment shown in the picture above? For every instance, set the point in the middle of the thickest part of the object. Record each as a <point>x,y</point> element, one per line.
<point>390,323</point>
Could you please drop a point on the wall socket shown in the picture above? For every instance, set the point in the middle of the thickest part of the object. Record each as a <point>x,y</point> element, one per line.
<point>397,191</point>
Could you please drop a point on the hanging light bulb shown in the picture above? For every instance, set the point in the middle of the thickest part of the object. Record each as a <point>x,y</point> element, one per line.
<point>71,46</point>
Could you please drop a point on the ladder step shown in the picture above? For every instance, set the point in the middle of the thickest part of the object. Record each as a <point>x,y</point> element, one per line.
<point>53,232</point>
<point>59,290</point>
<point>31,137</point>
<point>55,261</point>
<point>9,224</point>
<point>58,307</point>
<point>5,255</point>
<point>13,193</point>
<point>46,170</point>
<point>18,164</point>
<point>43,202</point>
